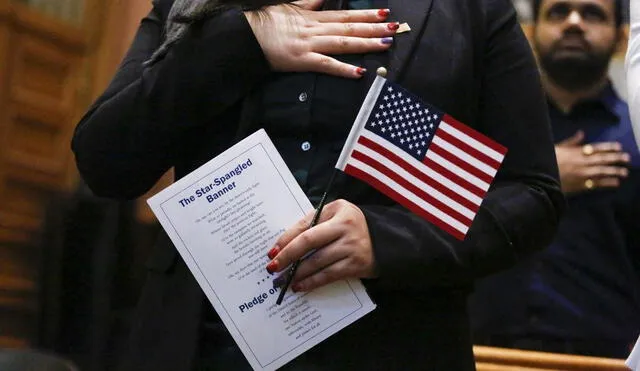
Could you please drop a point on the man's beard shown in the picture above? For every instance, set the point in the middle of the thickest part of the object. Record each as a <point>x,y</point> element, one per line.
<point>575,72</point>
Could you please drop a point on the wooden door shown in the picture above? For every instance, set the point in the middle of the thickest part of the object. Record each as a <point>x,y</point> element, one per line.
<point>56,56</point>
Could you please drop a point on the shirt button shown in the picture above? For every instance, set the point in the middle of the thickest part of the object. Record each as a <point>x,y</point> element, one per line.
<point>303,97</point>
<point>306,146</point>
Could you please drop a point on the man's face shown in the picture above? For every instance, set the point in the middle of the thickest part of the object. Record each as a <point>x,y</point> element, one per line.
<point>575,40</point>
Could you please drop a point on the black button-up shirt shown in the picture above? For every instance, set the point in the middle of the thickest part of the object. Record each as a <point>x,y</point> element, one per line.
<point>587,284</point>
<point>309,116</point>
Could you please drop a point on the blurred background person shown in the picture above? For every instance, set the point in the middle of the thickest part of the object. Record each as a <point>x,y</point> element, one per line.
<point>582,294</point>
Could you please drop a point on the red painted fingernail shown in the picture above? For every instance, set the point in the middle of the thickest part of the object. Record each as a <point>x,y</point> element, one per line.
<point>383,12</point>
<point>272,267</point>
<point>272,253</point>
<point>393,26</point>
<point>361,71</point>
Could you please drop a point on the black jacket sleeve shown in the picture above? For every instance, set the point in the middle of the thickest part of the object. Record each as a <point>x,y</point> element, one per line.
<point>127,139</point>
<point>520,213</point>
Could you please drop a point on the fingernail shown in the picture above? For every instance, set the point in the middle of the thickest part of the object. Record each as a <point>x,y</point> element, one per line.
<point>387,40</point>
<point>297,287</point>
<point>384,12</point>
<point>361,71</point>
<point>273,252</point>
<point>626,157</point>
<point>624,172</point>
<point>393,26</point>
<point>272,267</point>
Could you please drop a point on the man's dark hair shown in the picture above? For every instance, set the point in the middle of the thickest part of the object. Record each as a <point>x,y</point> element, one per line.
<point>617,3</point>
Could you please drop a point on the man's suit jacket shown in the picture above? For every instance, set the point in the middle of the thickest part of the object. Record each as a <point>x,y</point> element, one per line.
<point>467,57</point>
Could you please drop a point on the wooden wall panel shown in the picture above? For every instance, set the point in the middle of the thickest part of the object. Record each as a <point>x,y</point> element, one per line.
<point>43,72</point>
<point>39,86</point>
<point>502,359</point>
<point>49,73</point>
<point>22,212</point>
<point>40,110</point>
<point>5,65</point>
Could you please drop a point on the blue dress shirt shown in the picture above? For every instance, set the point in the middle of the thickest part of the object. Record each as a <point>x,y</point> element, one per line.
<point>581,294</point>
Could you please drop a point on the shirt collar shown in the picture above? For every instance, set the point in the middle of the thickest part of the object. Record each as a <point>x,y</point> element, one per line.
<point>607,97</point>
<point>610,99</point>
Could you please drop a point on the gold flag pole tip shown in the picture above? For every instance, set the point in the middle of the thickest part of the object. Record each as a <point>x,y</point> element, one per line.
<point>382,72</point>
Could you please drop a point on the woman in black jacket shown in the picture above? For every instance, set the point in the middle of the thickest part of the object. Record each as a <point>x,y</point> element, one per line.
<point>302,74</point>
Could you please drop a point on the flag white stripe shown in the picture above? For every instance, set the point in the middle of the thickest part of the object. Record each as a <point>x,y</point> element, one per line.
<point>430,172</point>
<point>471,141</point>
<point>444,217</point>
<point>464,156</point>
<point>416,182</point>
<point>431,155</point>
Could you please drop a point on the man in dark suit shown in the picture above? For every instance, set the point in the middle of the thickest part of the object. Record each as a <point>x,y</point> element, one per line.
<point>231,74</point>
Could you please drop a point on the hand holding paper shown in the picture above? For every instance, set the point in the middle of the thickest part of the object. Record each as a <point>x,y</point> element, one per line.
<point>223,218</point>
<point>342,242</point>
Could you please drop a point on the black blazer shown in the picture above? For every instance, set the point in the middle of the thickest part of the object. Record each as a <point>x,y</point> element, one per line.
<point>468,57</point>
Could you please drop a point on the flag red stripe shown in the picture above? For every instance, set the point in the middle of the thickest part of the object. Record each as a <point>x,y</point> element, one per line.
<point>464,147</point>
<point>454,178</point>
<point>413,188</point>
<point>433,147</point>
<point>475,134</point>
<point>366,177</point>
<point>422,176</point>
<point>417,191</point>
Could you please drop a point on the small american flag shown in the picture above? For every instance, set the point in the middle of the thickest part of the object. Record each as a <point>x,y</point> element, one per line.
<point>421,157</point>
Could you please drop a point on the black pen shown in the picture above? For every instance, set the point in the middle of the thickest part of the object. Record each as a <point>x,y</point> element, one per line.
<point>314,221</point>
